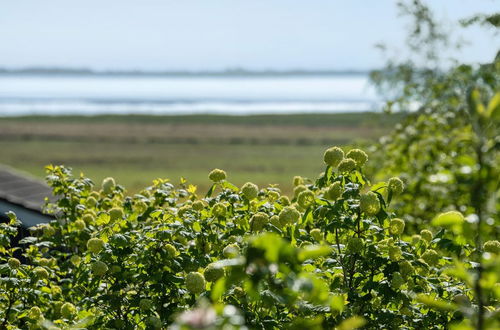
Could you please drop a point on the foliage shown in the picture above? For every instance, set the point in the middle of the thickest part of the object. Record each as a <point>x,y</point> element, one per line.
<point>241,258</point>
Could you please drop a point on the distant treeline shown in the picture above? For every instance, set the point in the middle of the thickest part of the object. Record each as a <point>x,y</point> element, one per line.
<point>229,72</point>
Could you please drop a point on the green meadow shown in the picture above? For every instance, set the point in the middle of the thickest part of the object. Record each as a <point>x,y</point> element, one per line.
<point>137,149</point>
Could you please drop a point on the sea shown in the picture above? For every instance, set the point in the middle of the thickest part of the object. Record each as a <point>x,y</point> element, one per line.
<point>30,94</point>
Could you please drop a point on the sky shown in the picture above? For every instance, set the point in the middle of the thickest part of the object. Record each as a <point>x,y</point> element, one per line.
<point>216,34</point>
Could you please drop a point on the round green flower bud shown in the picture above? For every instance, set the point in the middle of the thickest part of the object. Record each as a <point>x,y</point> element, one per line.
<point>213,273</point>
<point>195,282</point>
<point>406,268</point>
<point>431,257</point>
<point>35,313</point>
<point>217,175</point>
<point>359,156</point>
<point>347,165</point>
<point>289,215</point>
<point>44,262</point>
<point>99,268</point>
<point>492,247</point>
<point>297,181</point>
<point>41,273</point>
<point>171,250</point>
<point>231,251</point>
<point>259,221</point>
<point>146,304</point>
<point>397,280</point>
<point>397,226</point>
<point>396,185</point>
<point>355,245</point>
<point>273,195</point>
<point>91,201</point>
<point>116,213</point>
<point>275,221</point>
<point>334,191</point>
<point>88,218</point>
<point>238,291</point>
<point>333,156</point>
<point>284,200</point>
<point>80,224</point>
<point>306,199</point>
<point>75,260</point>
<point>95,245</point>
<point>198,205</point>
<point>154,322</point>
<point>250,190</point>
<point>426,235</point>
<point>369,203</point>
<point>48,231</point>
<point>395,253</point>
<point>183,210</point>
<point>14,263</point>
<point>297,190</point>
<point>219,210</point>
<point>68,310</point>
<point>108,185</point>
<point>316,234</point>
<point>415,239</point>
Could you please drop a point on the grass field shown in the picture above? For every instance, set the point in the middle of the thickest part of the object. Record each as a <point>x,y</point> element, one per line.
<point>136,149</point>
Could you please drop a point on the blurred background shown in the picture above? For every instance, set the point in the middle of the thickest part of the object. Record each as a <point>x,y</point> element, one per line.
<point>171,89</point>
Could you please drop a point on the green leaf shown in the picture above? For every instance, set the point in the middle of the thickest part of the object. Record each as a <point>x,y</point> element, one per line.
<point>314,251</point>
<point>351,323</point>
<point>448,219</point>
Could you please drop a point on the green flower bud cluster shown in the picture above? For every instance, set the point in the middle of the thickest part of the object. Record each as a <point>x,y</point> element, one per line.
<point>195,282</point>
<point>415,239</point>
<point>183,210</point>
<point>284,200</point>
<point>306,199</point>
<point>48,231</point>
<point>219,210</point>
<point>347,165</point>
<point>99,268</point>
<point>298,189</point>
<point>316,234</point>
<point>75,260</point>
<point>333,156</point>
<point>88,218</point>
<point>406,268</point>
<point>297,181</point>
<point>492,247</point>
<point>35,313</point>
<point>41,273</point>
<point>397,226</point>
<point>395,253</point>
<point>217,175</point>
<point>250,190</point>
<point>334,191</point>
<point>275,221</point>
<point>80,224</point>
<point>116,213</point>
<point>359,156</point>
<point>231,251</point>
<point>91,201</point>
<point>289,215</point>
<point>431,257</point>
<point>355,245</point>
<point>14,263</point>
<point>212,273</point>
<point>95,245</point>
<point>154,322</point>
<point>171,250</point>
<point>68,310</point>
<point>369,203</point>
<point>396,185</point>
<point>108,185</point>
<point>259,221</point>
<point>426,235</point>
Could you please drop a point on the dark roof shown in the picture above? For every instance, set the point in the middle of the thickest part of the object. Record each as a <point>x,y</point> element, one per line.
<point>22,192</point>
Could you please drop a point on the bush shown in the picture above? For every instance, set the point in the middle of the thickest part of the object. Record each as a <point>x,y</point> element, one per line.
<point>239,258</point>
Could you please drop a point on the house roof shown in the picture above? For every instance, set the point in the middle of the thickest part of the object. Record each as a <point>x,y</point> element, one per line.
<point>23,194</point>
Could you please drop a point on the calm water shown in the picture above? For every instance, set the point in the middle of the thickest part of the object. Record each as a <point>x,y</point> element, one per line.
<point>90,95</point>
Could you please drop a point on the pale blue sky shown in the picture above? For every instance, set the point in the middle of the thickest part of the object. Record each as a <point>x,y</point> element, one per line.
<point>214,34</point>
